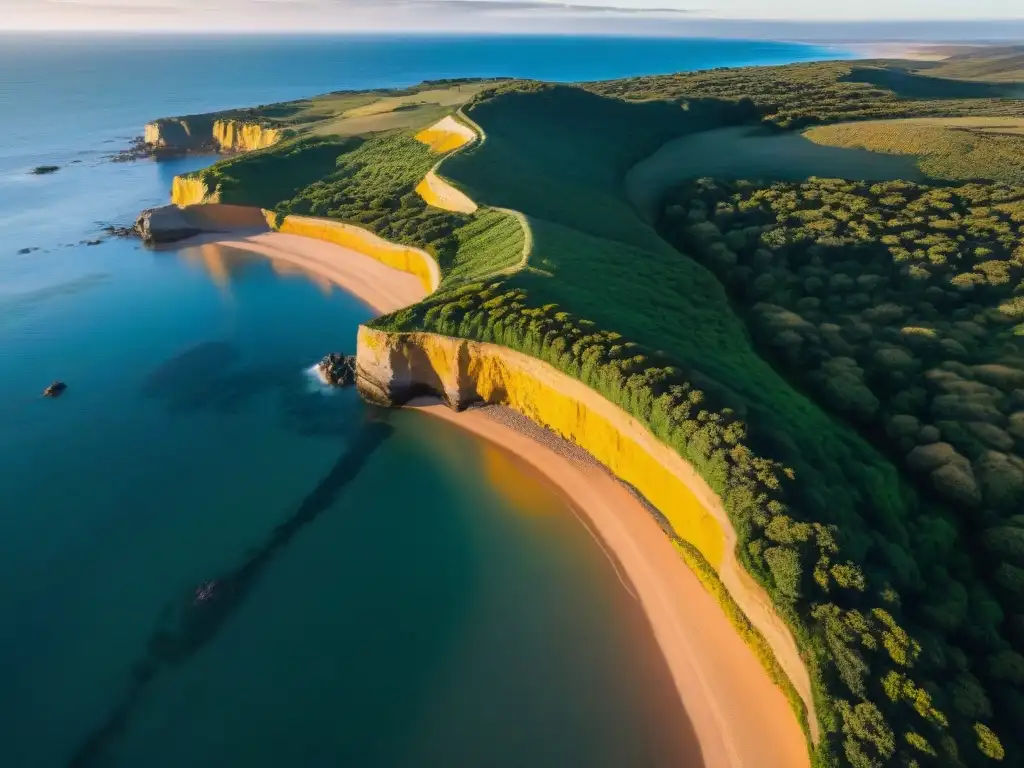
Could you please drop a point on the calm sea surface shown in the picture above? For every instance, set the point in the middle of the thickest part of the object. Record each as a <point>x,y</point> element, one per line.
<point>390,591</point>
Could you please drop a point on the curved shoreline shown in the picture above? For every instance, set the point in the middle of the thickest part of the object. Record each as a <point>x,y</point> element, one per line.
<point>728,696</point>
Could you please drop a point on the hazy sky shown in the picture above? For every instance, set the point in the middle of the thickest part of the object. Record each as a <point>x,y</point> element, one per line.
<point>667,16</point>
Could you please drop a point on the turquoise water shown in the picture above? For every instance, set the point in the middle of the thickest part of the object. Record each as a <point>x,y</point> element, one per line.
<point>390,591</point>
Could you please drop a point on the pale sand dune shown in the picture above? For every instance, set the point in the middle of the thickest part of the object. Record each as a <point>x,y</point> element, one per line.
<point>741,719</point>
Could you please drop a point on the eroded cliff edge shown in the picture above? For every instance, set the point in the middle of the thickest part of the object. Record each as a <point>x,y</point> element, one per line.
<point>204,133</point>
<point>394,368</point>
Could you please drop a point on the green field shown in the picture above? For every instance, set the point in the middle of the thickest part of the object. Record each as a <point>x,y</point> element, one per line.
<point>951,148</point>
<point>840,360</point>
<point>745,152</point>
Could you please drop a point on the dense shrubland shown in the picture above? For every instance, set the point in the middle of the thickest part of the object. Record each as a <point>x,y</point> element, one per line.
<point>900,307</point>
<point>797,95</point>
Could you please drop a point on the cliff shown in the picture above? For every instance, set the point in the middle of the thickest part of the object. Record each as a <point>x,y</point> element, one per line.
<point>401,257</point>
<point>394,368</point>
<point>202,133</point>
<point>192,190</point>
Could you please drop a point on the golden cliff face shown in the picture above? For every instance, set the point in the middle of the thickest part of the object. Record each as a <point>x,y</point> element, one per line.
<point>199,134</point>
<point>464,372</point>
<point>191,190</point>
<point>401,257</point>
<point>394,368</point>
<point>233,136</point>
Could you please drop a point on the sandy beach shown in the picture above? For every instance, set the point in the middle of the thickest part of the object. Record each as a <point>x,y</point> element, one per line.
<point>906,51</point>
<point>738,715</point>
<point>383,289</point>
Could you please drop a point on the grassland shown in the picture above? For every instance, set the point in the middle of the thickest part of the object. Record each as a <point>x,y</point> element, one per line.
<point>799,95</point>
<point>951,148</point>
<point>907,623</point>
<point>745,152</point>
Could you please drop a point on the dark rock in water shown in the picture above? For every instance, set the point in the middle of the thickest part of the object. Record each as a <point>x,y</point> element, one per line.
<point>23,251</point>
<point>166,224</point>
<point>115,231</point>
<point>42,170</point>
<point>338,370</point>
<point>55,390</point>
<point>138,149</point>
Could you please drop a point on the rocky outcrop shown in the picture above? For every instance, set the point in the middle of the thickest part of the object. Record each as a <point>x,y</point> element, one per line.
<point>392,369</point>
<point>203,133</point>
<point>170,223</point>
<point>55,390</point>
<point>337,370</point>
<point>166,224</point>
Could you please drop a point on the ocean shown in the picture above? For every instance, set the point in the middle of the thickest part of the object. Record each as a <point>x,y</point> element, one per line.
<point>394,592</point>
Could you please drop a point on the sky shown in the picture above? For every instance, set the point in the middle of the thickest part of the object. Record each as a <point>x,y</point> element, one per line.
<point>874,18</point>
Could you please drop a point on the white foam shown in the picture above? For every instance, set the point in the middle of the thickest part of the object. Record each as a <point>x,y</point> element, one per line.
<point>317,380</point>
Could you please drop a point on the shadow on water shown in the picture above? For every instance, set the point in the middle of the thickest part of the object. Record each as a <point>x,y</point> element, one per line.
<point>206,378</point>
<point>190,623</point>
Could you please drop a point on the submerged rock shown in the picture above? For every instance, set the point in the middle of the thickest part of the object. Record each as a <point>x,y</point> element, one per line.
<point>55,390</point>
<point>43,170</point>
<point>166,224</point>
<point>338,370</point>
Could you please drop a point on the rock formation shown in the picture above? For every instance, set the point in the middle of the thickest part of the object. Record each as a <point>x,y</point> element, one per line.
<point>166,224</point>
<point>338,370</point>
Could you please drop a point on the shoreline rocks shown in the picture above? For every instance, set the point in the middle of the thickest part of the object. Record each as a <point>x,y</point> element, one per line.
<point>166,224</point>
<point>338,370</point>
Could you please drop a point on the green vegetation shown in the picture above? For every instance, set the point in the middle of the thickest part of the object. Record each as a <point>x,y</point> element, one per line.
<point>859,563</point>
<point>901,308</point>
<point>798,95</point>
<point>954,149</point>
<point>744,152</point>
<point>750,634</point>
<point>351,113</point>
<point>841,361</point>
<point>371,182</point>
<point>996,65</point>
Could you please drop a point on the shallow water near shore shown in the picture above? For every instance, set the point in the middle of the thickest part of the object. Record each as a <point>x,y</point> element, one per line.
<point>386,590</point>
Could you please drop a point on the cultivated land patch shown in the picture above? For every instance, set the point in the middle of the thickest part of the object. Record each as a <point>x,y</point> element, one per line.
<point>745,152</point>
<point>951,148</point>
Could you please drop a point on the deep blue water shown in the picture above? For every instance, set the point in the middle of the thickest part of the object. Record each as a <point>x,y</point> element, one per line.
<point>395,592</point>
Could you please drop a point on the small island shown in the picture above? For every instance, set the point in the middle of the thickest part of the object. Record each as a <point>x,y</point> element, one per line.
<point>785,305</point>
<point>44,170</point>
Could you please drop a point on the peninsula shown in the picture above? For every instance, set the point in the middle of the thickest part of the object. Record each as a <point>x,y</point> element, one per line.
<point>780,308</point>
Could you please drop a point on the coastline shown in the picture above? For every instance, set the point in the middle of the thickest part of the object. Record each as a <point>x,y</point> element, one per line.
<point>727,694</point>
<point>904,50</point>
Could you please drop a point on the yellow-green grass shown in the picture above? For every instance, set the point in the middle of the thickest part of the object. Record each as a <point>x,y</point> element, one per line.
<point>952,149</point>
<point>746,152</point>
